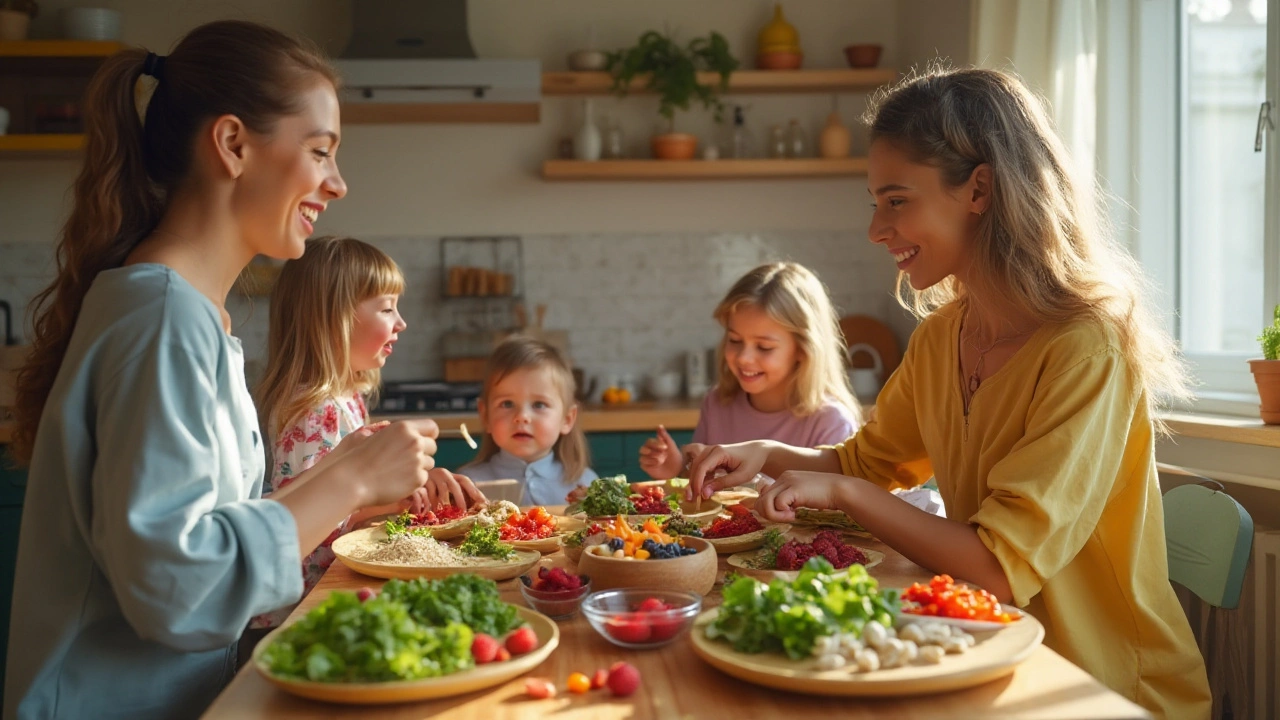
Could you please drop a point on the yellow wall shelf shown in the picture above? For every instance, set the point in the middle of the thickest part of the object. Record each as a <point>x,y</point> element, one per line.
<point>59,48</point>
<point>35,145</point>
<point>824,80</point>
<point>701,169</point>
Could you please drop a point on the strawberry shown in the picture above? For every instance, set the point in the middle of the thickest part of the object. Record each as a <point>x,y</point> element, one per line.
<point>539,688</point>
<point>599,679</point>
<point>664,629</point>
<point>629,630</point>
<point>503,655</point>
<point>624,679</point>
<point>365,593</point>
<point>653,604</point>
<point>522,641</point>
<point>484,648</point>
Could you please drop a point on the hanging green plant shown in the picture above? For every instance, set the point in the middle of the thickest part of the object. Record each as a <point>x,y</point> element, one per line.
<point>671,70</point>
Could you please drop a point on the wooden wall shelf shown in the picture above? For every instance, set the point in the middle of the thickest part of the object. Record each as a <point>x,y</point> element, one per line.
<point>39,145</point>
<point>59,48</point>
<point>701,169</point>
<point>357,113</point>
<point>824,80</point>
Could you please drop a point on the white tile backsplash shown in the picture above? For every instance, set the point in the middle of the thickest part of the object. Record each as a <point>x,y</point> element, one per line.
<point>632,303</point>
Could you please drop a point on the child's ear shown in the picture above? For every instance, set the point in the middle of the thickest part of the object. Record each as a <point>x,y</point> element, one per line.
<point>570,417</point>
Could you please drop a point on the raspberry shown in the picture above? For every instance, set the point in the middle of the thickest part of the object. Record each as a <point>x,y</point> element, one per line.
<point>522,641</point>
<point>624,679</point>
<point>365,593</point>
<point>484,648</point>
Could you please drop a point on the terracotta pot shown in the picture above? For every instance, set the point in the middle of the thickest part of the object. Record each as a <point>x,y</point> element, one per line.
<point>674,146</point>
<point>1266,373</point>
<point>862,56</point>
<point>13,25</point>
<point>780,60</point>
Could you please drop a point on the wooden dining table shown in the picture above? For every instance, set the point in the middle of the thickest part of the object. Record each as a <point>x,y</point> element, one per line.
<point>677,684</point>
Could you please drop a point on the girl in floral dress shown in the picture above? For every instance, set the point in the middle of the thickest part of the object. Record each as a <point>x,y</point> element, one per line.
<point>334,323</point>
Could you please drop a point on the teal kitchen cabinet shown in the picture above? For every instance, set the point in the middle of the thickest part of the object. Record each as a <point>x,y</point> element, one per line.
<point>13,483</point>
<point>618,453</point>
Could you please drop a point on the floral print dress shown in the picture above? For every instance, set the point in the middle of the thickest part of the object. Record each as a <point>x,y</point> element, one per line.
<point>297,448</point>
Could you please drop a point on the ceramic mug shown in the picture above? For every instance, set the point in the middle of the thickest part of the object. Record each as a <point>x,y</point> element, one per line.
<point>866,381</point>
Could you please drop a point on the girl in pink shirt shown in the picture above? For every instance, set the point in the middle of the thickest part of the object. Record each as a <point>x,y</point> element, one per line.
<point>782,370</point>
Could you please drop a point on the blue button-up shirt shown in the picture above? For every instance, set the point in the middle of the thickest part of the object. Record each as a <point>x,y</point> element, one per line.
<point>542,480</point>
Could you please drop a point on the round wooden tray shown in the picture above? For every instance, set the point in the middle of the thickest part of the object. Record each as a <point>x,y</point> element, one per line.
<point>744,562</point>
<point>477,678</point>
<point>995,655</point>
<point>492,569</point>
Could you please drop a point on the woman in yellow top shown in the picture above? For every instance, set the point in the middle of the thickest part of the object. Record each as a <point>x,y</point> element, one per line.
<point>1028,391</point>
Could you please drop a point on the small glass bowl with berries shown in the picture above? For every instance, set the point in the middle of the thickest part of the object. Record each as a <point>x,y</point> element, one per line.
<point>641,618</point>
<point>554,592</point>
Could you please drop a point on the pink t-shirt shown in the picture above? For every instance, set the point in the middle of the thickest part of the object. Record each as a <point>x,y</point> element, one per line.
<point>736,421</point>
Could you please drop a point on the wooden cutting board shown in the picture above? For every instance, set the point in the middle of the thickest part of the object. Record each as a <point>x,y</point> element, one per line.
<point>866,329</point>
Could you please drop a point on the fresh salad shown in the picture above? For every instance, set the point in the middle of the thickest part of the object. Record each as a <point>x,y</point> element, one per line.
<point>486,541</point>
<point>412,630</point>
<point>605,496</point>
<point>789,617</point>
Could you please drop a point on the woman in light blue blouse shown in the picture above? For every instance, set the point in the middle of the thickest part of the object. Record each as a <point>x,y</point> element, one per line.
<point>145,546</point>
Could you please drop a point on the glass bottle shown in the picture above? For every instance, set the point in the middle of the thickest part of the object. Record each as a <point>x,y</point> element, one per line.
<point>737,142</point>
<point>777,142</point>
<point>797,140</point>
<point>614,147</point>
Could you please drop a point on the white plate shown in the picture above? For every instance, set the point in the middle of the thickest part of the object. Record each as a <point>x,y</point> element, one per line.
<point>963,624</point>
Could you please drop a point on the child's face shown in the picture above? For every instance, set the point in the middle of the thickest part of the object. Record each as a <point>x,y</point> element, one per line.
<point>376,329</point>
<point>290,176</point>
<point>761,353</point>
<point>926,226</point>
<point>525,413</point>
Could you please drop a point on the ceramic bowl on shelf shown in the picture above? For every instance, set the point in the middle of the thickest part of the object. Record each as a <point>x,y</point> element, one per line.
<point>585,60</point>
<point>779,60</point>
<point>620,616</point>
<point>863,56</point>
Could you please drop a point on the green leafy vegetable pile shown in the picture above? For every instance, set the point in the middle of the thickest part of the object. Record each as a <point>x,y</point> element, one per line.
<point>606,496</point>
<point>400,526</point>
<point>787,617</point>
<point>486,541</point>
<point>412,630</point>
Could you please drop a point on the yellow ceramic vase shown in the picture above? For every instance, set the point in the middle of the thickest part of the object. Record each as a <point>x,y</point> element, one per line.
<point>779,35</point>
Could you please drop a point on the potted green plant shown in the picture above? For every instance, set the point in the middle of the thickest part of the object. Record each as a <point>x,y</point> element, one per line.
<point>671,70</point>
<point>1266,372</point>
<point>15,18</point>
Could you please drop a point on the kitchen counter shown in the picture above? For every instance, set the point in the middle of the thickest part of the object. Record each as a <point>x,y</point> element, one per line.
<point>635,416</point>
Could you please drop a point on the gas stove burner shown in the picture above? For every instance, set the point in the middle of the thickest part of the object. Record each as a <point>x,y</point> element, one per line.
<point>428,396</point>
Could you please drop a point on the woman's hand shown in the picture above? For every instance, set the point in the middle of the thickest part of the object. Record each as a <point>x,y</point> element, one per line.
<point>794,489</point>
<point>660,456</point>
<point>445,488</point>
<point>716,467</point>
<point>387,462</point>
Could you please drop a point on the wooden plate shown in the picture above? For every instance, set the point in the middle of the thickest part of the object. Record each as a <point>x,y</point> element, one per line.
<point>453,528</point>
<point>492,569</point>
<point>969,626</point>
<point>544,546</point>
<point>710,509</point>
<point>830,518</point>
<point>995,655</point>
<point>746,561</point>
<point>750,541</point>
<point>477,678</point>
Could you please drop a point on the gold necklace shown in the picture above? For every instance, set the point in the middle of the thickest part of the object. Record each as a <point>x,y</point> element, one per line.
<point>975,378</point>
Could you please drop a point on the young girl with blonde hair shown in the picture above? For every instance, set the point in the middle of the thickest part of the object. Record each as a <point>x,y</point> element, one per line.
<point>1029,390</point>
<point>335,320</point>
<point>782,370</point>
<point>530,418</point>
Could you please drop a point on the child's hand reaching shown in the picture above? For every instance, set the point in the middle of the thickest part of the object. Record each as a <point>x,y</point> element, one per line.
<point>576,494</point>
<point>419,502</point>
<point>445,488</point>
<point>660,456</point>
<point>795,489</point>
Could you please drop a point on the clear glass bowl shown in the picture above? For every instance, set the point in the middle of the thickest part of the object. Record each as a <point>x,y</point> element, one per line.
<point>558,604</point>
<point>615,615</point>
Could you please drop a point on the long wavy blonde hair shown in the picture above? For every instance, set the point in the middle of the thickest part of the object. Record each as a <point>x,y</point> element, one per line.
<point>1043,244</point>
<point>313,313</point>
<point>796,299</point>
<point>525,353</point>
<point>228,67</point>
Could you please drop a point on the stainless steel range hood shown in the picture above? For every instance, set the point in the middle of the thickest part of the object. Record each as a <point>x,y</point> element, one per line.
<point>411,61</point>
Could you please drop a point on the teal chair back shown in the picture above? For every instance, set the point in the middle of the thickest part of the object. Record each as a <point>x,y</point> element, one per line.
<point>1209,536</point>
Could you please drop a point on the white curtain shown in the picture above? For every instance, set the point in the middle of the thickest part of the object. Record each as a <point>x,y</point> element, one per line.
<point>1053,46</point>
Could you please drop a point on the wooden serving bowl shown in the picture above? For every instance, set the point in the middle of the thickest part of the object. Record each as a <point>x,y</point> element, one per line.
<point>695,573</point>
